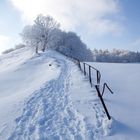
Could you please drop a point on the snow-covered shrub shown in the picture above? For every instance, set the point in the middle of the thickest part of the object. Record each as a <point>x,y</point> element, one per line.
<point>19,46</point>
<point>8,51</point>
<point>12,49</point>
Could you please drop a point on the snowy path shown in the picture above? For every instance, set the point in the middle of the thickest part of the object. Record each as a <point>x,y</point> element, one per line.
<point>49,114</point>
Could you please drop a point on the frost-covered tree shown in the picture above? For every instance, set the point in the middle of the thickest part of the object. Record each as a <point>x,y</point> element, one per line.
<point>31,36</point>
<point>46,25</point>
<point>71,45</point>
<point>39,33</point>
<point>45,33</point>
<point>119,56</point>
<point>55,39</point>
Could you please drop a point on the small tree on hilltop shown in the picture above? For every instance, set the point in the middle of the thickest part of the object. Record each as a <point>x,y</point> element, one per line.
<point>39,32</point>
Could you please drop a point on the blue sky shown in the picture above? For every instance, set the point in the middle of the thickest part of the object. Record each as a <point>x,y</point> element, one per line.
<point>102,24</point>
<point>10,25</point>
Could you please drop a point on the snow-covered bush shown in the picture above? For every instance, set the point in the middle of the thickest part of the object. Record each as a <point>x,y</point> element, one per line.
<point>8,51</point>
<point>19,46</point>
<point>15,48</point>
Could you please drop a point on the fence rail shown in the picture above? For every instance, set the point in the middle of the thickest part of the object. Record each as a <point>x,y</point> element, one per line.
<point>90,69</point>
<point>97,84</point>
<point>98,80</point>
<point>102,101</point>
<point>106,86</point>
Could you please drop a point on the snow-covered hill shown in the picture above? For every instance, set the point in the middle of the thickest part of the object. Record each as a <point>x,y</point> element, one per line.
<point>46,97</point>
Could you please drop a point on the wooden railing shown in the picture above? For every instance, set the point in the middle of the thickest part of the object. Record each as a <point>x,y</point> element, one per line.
<point>97,84</point>
<point>106,86</point>
<point>88,73</point>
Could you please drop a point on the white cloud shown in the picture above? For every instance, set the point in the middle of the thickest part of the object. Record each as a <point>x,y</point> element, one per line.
<point>93,16</point>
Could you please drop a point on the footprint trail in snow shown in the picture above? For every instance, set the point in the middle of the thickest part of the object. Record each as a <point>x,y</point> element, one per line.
<point>49,113</point>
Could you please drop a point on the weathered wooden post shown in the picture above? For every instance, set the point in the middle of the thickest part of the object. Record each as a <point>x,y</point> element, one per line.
<point>79,64</point>
<point>84,69</point>
<point>102,101</point>
<point>90,80</point>
<point>98,76</point>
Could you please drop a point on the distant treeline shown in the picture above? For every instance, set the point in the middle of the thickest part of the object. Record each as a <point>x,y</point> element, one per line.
<point>117,56</point>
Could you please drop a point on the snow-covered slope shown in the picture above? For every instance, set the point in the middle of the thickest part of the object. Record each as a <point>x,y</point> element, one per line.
<point>46,97</point>
<point>124,104</point>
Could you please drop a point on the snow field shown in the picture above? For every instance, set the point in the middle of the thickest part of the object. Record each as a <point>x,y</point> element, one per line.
<point>123,105</point>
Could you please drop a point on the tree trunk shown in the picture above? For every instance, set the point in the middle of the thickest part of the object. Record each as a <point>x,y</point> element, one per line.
<point>43,49</point>
<point>36,49</point>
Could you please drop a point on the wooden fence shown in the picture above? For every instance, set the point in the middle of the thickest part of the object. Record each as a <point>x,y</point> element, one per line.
<point>96,83</point>
<point>88,72</point>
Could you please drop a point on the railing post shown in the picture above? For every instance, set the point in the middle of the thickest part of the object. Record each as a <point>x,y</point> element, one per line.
<point>103,89</point>
<point>90,80</point>
<point>84,69</point>
<point>97,77</point>
<point>102,101</point>
<point>79,64</point>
